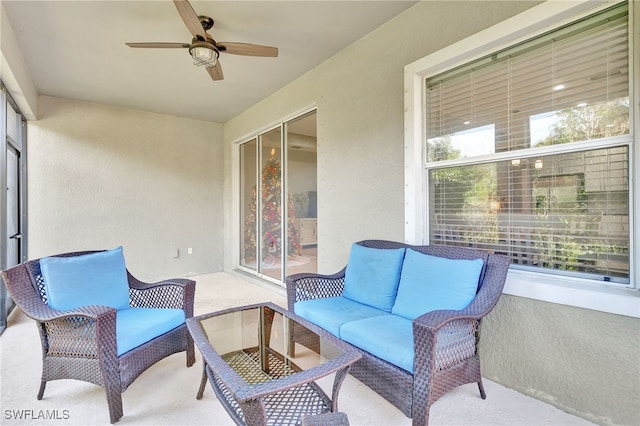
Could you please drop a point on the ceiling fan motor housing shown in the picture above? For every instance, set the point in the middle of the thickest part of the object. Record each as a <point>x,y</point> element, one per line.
<point>206,22</point>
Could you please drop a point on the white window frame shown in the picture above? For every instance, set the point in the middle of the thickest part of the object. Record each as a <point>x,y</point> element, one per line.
<point>578,292</point>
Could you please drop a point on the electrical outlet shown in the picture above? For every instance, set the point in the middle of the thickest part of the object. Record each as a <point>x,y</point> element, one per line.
<point>190,250</point>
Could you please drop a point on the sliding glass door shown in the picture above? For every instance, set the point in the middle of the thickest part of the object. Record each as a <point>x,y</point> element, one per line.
<point>302,188</point>
<point>248,155</point>
<point>278,200</point>
<point>271,226</point>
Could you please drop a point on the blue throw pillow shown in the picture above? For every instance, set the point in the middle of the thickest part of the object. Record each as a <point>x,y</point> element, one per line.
<point>372,276</point>
<point>90,279</point>
<point>430,283</point>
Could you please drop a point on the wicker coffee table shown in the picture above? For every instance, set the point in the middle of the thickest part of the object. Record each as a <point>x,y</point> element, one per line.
<point>260,375</point>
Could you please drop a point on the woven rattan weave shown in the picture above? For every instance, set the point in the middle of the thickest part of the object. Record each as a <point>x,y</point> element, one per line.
<point>440,365</point>
<point>81,344</point>
<point>327,419</point>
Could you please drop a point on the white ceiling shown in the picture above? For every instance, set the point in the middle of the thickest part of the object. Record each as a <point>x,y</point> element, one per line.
<point>76,49</point>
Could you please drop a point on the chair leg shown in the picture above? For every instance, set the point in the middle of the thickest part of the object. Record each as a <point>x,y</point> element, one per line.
<point>114,401</point>
<point>483,395</point>
<point>420,419</point>
<point>191,352</point>
<point>43,384</point>
<point>203,381</point>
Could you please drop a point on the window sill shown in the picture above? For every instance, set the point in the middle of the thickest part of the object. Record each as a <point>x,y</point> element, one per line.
<point>575,292</point>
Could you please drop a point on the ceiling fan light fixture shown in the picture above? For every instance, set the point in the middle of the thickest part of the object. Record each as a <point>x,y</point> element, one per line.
<point>203,54</point>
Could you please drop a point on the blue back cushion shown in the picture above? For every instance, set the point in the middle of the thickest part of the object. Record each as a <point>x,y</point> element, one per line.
<point>90,279</point>
<point>372,276</point>
<point>430,283</point>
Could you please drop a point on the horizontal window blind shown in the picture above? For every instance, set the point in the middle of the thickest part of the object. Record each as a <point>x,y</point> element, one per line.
<point>567,212</point>
<point>584,72</point>
<point>564,210</point>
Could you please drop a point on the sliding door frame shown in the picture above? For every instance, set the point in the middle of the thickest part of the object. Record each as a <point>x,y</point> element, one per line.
<point>19,146</point>
<point>236,187</point>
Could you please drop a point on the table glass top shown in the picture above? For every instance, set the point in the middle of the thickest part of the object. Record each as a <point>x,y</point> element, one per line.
<point>262,344</point>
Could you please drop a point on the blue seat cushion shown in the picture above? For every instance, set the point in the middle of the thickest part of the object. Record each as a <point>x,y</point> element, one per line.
<point>388,337</point>
<point>332,312</point>
<point>90,279</point>
<point>135,326</point>
<point>372,276</point>
<point>430,283</point>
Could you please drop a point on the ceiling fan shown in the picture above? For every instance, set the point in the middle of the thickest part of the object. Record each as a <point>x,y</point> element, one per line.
<point>203,48</point>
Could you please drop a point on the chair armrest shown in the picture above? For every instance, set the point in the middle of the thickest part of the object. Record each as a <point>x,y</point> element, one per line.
<point>176,293</point>
<point>307,286</point>
<point>87,331</point>
<point>44,313</point>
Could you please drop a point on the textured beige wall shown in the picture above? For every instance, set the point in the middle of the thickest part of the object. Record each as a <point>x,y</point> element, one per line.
<point>13,70</point>
<point>100,177</point>
<point>585,362</point>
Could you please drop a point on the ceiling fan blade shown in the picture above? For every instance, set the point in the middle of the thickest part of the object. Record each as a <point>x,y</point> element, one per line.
<point>216,72</point>
<point>190,18</point>
<point>160,45</point>
<point>247,49</point>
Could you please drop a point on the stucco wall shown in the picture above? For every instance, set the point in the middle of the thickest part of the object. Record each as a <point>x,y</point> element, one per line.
<point>13,70</point>
<point>582,361</point>
<point>100,177</point>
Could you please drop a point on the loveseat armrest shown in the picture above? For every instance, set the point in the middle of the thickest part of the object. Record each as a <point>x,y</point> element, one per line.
<point>434,328</point>
<point>307,286</point>
<point>442,339</point>
<point>176,293</point>
<point>445,356</point>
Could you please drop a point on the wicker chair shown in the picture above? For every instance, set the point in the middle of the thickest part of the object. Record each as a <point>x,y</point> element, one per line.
<point>81,344</point>
<point>438,367</point>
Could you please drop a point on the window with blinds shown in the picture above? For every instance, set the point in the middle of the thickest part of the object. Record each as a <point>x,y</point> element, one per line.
<point>528,151</point>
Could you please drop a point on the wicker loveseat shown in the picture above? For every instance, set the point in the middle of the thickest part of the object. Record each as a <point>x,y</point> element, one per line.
<point>413,351</point>
<point>81,342</point>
